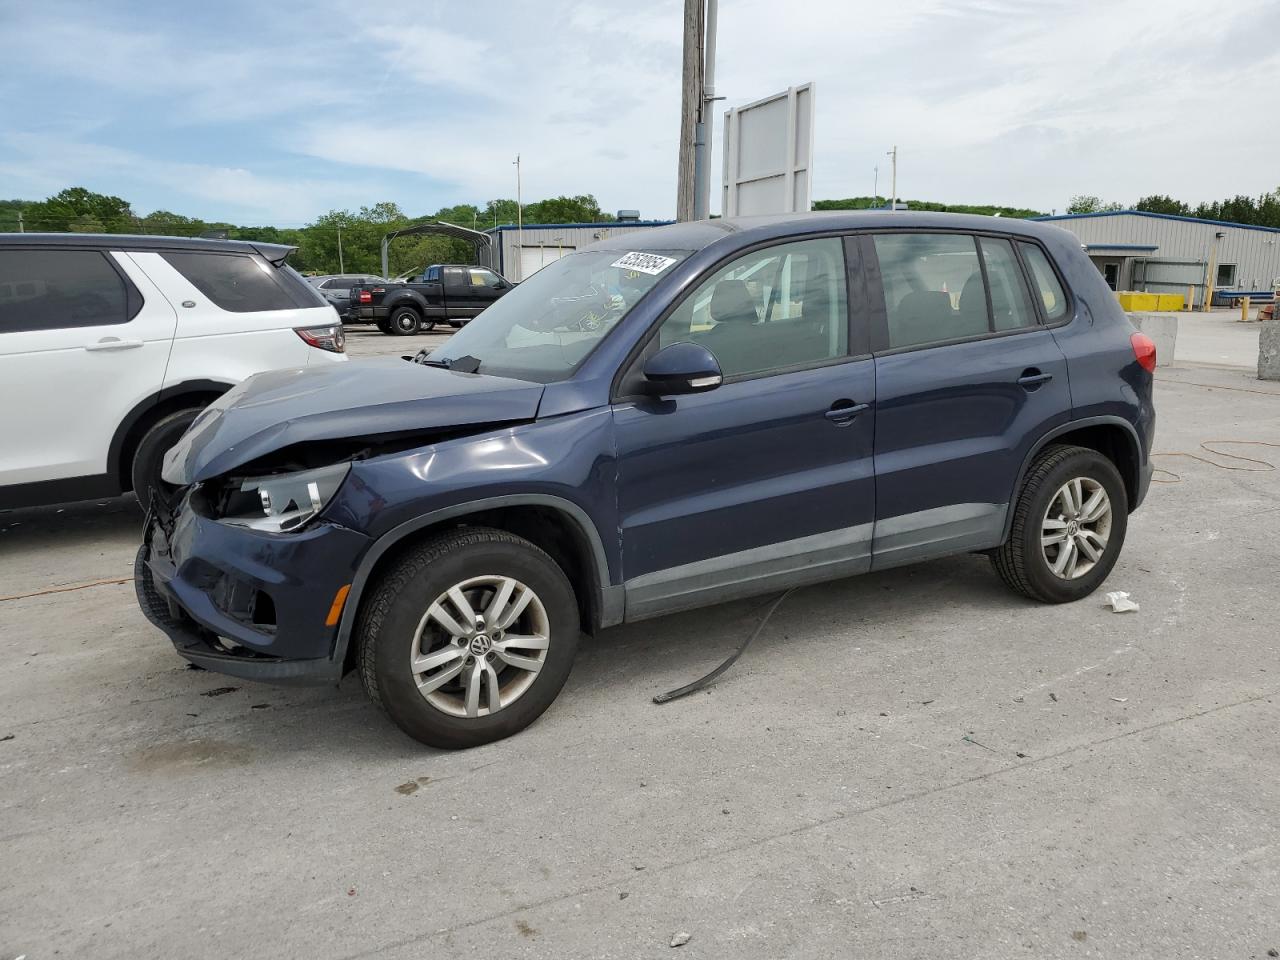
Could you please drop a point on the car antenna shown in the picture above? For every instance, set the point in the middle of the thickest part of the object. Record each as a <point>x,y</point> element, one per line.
<point>715,674</point>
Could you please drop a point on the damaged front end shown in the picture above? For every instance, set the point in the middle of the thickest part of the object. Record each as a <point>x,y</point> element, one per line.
<point>241,601</point>
<point>248,566</point>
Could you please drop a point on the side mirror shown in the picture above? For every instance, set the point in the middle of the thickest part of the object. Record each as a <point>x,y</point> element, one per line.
<point>682,368</point>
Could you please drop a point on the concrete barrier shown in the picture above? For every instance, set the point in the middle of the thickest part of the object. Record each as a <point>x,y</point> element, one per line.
<point>1269,350</point>
<point>1163,329</point>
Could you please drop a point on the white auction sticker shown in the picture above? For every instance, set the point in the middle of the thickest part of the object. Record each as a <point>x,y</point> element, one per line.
<point>650,263</point>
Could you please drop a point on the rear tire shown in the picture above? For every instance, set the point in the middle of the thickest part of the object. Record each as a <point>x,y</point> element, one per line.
<point>411,633</point>
<point>1069,524</point>
<point>403,321</point>
<point>148,458</point>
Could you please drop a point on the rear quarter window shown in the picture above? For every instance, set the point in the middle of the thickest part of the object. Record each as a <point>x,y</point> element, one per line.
<point>61,289</point>
<point>1045,281</point>
<point>241,283</point>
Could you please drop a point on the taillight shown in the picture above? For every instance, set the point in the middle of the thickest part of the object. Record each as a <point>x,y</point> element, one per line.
<point>1144,351</point>
<point>330,337</point>
<point>366,296</point>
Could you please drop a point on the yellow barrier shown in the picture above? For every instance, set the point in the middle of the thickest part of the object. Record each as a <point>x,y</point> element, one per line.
<point>1133,301</point>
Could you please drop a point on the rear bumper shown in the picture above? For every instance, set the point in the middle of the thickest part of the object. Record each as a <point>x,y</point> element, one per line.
<point>1144,483</point>
<point>369,313</point>
<point>246,604</point>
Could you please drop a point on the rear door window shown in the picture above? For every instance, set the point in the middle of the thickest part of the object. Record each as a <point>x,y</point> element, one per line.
<point>61,289</point>
<point>238,283</point>
<point>937,289</point>
<point>933,287</point>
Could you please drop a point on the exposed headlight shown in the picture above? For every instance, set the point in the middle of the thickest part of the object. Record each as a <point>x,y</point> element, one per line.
<point>285,501</point>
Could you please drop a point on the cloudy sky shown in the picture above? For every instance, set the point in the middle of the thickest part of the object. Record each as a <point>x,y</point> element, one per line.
<point>259,112</point>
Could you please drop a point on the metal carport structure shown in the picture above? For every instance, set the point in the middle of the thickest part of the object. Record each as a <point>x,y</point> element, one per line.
<point>480,242</point>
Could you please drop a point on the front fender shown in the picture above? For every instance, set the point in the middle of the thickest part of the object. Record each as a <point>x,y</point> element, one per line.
<point>564,463</point>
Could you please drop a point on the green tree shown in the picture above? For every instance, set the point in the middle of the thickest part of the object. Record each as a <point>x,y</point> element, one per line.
<point>580,209</point>
<point>9,211</point>
<point>462,215</point>
<point>876,203</point>
<point>1159,203</point>
<point>82,211</point>
<point>164,223</point>
<point>1269,209</point>
<point>498,212</point>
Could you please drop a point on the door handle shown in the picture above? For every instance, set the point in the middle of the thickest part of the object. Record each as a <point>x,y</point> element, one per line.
<point>1031,379</point>
<point>113,343</point>
<point>845,414</point>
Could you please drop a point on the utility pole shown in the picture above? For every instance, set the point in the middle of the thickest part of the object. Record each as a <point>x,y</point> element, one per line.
<point>691,93</point>
<point>705,128</point>
<point>894,153</point>
<point>1211,275</point>
<point>519,223</point>
<point>21,227</point>
<point>341,266</point>
<point>875,191</point>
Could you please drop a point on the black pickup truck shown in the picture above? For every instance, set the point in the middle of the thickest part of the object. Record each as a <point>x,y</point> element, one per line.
<point>447,293</point>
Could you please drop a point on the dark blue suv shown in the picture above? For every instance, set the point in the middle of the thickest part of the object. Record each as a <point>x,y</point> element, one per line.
<point>670,418</point>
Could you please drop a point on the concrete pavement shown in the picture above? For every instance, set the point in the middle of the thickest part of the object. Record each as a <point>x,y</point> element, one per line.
<point>913,763</point>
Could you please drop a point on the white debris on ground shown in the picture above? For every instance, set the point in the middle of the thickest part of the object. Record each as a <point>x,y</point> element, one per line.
<point>1120,602</point>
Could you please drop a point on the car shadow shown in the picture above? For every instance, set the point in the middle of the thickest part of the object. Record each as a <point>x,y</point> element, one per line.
<point>643,656</point>
<point>636,661</point>
<point>71,524</point>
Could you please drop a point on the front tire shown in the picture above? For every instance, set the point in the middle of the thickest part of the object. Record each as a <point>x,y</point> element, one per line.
<point>148,458</point>
<point>1069,524</point>
<point>468,638</point>
<point>403,321</point>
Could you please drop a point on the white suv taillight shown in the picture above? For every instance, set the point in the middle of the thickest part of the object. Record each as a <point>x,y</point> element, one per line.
<point>330,337</point>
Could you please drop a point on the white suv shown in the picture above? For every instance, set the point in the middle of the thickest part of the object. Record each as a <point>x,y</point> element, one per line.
<point>111,345</point>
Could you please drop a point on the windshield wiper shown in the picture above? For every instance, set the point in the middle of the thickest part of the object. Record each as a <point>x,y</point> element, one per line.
<point>465,364</point>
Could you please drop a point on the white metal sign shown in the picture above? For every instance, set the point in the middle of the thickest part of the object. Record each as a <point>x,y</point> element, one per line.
<point>768,154</point>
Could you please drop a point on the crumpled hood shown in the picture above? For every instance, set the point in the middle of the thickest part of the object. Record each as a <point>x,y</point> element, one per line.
<point>363,398</point>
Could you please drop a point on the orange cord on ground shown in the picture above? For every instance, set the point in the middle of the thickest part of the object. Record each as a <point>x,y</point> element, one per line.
<point>78,586</point>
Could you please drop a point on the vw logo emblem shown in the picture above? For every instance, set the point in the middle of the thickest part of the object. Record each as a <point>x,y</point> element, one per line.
<point>481,644</point>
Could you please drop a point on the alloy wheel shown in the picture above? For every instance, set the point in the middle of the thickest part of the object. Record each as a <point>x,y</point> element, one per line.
<point>1075,528</point>
<point>479,646</point>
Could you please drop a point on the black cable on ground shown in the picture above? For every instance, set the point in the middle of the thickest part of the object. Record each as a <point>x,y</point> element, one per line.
<point>1263,466</point>
<point>715,674</point>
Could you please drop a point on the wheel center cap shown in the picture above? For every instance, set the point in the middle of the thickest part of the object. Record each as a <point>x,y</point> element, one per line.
<point>1073,527</point>
<point>481,644</point>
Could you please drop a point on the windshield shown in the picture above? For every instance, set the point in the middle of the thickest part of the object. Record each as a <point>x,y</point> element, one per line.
<point>544,328</point>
